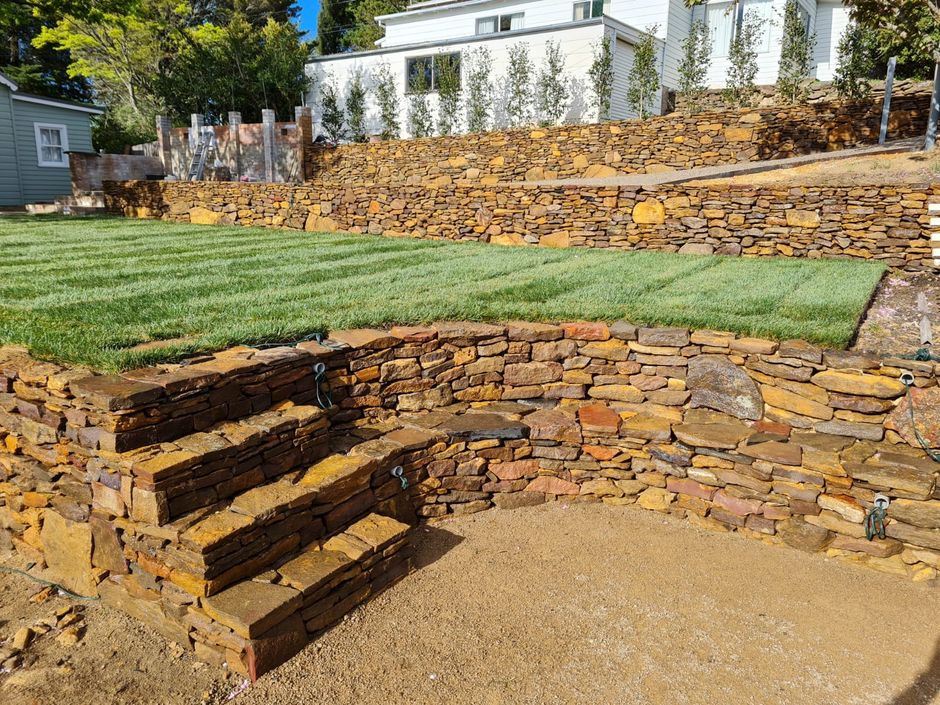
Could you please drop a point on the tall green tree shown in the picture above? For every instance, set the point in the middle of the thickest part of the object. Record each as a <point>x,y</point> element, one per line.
<point>333,23</point>
<point>643,79</point>
<point>796,56</point>
<point>907,29</point>
<point>365,31</point>
<point>331,118</point>
<point>386,97</point>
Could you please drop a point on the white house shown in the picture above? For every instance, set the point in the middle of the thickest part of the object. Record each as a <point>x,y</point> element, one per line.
<point>425,30</point>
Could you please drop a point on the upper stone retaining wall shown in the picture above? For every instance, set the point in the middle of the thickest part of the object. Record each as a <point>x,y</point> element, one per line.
<point>886,223</point>
<point>663,143</point>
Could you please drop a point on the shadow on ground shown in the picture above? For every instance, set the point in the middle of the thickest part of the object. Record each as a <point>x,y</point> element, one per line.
<point>925,687</point>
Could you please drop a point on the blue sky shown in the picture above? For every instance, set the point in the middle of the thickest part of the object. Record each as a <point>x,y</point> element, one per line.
<point>308,16</point>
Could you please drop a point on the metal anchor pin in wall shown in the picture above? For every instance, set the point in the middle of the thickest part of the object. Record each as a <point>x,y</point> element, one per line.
<point>399,472</point>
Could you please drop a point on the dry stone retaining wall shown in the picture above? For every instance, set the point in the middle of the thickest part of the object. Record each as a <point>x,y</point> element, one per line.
<point>260,519</point>
<point>885,223</point>
<point>664,143</point>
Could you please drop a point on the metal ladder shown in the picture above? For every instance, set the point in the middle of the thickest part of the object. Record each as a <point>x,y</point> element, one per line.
<point>204,145</point>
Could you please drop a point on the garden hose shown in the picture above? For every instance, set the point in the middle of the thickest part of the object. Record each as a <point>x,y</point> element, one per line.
<point>922,355</point>
<point>908,381</point>
<point>324,399</point>
<point>47,583</point>
<point>875,520</point>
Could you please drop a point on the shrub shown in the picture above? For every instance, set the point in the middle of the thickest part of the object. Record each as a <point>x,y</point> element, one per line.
<point>693,69</point>
<point>331,119</point>
<point>448,94</point>
<point>387,98</point>
<point>479,89</point>
<point>551,93</point>
<point>356,108</point>
<point>742,60</point>
<point>519,86</point>
<point>601,75</point>
<point>796,56</point>
<point>643,79</point>
<point>856,63</point>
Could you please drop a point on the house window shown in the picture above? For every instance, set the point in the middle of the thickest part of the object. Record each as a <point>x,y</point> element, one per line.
<point>500,23</point>
<point>428,67</point>
<point>588,9</point>
<point>724,20</point>
<point>52,144</point>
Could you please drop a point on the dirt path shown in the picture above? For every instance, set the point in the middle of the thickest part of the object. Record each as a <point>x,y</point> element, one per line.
<point>595,604</point>
<point>892,324</point>
<point>553,604</point>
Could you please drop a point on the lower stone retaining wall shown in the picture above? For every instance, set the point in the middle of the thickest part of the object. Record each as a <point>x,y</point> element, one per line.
<point>243,533</point>
<point>885,223</point>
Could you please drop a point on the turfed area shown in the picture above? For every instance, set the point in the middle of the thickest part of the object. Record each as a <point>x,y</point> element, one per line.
<point>217,501</point>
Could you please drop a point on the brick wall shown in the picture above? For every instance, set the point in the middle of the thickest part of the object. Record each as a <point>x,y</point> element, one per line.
<point>663,143</point>
<point>885,223</point>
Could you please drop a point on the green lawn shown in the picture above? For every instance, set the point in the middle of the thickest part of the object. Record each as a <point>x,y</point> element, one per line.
<point>86,291</point>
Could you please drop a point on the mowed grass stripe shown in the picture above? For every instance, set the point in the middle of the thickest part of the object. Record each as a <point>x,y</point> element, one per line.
<point>85,291</point>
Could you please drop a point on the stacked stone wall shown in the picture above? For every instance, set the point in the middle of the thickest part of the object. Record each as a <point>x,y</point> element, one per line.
<point>247,532</point>
<point>879,222</point>
<point>664,143</point>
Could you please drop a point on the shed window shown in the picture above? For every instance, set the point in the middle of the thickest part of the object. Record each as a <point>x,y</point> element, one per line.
<point>52,144</point>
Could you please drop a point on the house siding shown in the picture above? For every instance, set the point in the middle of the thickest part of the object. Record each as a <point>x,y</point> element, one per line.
<point>832,19</point>
<point>43,184</point>
<point>578,43</point>
<point>9,174</point>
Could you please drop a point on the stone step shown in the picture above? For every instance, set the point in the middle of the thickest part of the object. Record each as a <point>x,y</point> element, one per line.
<point>205,552</point>
<point>159,483</point>
<point>256,624</point>
<point>127,411</point>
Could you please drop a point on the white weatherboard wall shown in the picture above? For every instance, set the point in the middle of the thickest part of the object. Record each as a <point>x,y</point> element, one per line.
<point>832,19</point>
<point>578,42</point>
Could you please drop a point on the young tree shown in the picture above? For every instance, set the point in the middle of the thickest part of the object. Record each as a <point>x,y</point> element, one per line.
<point>331,118</point>
<point>643,79</point>
<point>420,120</point>
<point>519,86</point>
<point>693,69</point>
<point>551,93</point>
<point>356,108</point>
<point>856,63</point>
<point>796,56</point>
<point>479,90</point>
<point>601,75</point>
<point>447,67</point>
<point>386,95</point>
<point>742,59</point>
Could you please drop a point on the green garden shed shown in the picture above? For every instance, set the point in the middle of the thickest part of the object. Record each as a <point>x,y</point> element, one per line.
<point>36,134</point>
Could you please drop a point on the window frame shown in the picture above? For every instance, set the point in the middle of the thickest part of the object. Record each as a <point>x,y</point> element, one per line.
<point>432,87</point>
<point>63,130</point>
<point>498,23</point>
<point>592,6</point>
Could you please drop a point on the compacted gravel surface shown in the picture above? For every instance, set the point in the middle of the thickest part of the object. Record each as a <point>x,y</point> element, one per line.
<point>561,604</point>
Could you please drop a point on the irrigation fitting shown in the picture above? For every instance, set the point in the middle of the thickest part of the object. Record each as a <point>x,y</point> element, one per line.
<point>399,472</point>
<point>875,519</point>
<point>908,380</point>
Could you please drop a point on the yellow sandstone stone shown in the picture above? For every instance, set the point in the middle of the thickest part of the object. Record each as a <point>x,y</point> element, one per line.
<point>802,219</point>
<point>649,212</point>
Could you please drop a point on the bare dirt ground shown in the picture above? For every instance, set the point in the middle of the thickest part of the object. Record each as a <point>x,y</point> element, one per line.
<point>904,168</point>
<point>892,323</point>
<point>556,604</point>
